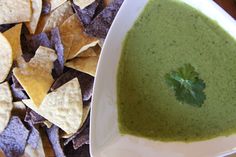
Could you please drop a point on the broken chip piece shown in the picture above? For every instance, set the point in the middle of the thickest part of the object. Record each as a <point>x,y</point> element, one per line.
<point>5,105</point>
<point>102,22</point>
<point>35,76</point>
<point>36,12</point>
<point>87,65</point>
<point>14,138</point>
<point>14,11</point>
<point>6,57</point>
<point>55,18</point>
<point>81,42</point>
<point>63,107</point>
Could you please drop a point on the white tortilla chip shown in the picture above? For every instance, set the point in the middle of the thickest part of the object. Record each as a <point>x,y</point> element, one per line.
<point>83,3</point>
<point>37,9</point>
<point>14,11</point>
<point>6,57</point>
<point>35,76</point>
<point>55,18</point>
<point>81,41</point>
<point>62,107</point>
<point>56,3</point>
<point>87,65</point>
<point>5,105</point>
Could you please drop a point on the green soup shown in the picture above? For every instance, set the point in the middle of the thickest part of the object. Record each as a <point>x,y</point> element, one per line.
<point>167,35</point>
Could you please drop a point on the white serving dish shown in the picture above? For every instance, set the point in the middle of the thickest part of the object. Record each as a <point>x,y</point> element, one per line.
<point>105,139</point>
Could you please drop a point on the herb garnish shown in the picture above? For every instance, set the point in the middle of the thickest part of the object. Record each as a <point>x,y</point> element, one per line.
<point>187,85</point>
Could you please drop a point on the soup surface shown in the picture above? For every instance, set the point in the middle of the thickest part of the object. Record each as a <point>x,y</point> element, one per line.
<point>170,35</point>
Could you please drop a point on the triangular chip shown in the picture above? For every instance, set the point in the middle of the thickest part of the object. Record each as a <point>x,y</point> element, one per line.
<point>56,3</point>
<point>14,11</point>
<point>5,105</point>
<point>35,76</point>
<point>83,3</point>
<point>55,18</point>
<point>63,107</point>
<point>81,41</point>
<point>87,65</point>
<point>6,57</point>
<point>37,9</point>
<point>13,36</point>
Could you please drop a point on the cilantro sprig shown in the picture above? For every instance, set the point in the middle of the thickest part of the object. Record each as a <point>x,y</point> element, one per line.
<point>187,85</point>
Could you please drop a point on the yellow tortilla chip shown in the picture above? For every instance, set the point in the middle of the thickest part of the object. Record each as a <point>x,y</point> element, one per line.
<point>56,3</point>
<point>67,41</point>
<point>13,36</point>
<point>83,3</point>
<point>14,11</point>
<point>62,107</point>
<point>35,76</point>
<point>37,9</point>
<point>88,53</point>
<point>81,41</point>
<point>55,18</point>
<point>6,58</point>
<point>87,65</point>
<point>5,105</point>
<point>47,123</point>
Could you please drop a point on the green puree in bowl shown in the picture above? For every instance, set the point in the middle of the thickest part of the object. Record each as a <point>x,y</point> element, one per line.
<point>168,36</point>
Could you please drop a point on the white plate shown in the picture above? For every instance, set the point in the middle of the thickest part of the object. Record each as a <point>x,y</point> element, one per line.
<point>105,138</point>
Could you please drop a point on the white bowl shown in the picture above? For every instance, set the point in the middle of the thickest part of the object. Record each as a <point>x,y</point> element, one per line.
<point>105,139</point>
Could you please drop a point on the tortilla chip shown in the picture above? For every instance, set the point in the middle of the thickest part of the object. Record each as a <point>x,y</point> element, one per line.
<point>31,152</point>
<point>48,124</point>
<point>81,41</point>
<point>18,94</point>
<point>35,76</point>
<point>83,3</point>
<point>101,24</point>
<point>82,151</point>
<point>13,36</point>
<point>56,3</point>
<point>81,139</point>
<point>6,57</point>
<point>46,8</point>
<point>55,18</point>
<point>13,139</point>
<point>37,9</point>
<point>86,15</point>
<point>87,65</point>
<point>15,11</point>
<point>5,27</point>
<point>63,107</point>
<point>57,45</point>
<point>91,52</point>
<point>33,117</point>
<point>19,109</point>
<point>53,135</point>
<point>5,105</point>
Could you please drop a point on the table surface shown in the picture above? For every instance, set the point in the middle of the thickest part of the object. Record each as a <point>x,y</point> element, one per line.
<point>228,5</point>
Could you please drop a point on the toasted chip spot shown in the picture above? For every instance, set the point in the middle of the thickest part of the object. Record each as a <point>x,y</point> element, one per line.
<point>37,8</point>
<point>63,107</point>
<point>35,76</point>
<point>14,11</point>
<point>87,65</point>
<point>55,18</point>
<point>81,41</point>
<point>6,58</point>
<point>13,36</point>
<point>83,3</point>
<point>56,3</point>
<point>5,105</point>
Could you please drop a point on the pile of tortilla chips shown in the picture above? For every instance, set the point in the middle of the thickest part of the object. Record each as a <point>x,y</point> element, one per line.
<point>49,50</point>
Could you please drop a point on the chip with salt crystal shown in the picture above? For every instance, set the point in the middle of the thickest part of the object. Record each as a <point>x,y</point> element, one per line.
<point>87,64</point>
<point>36,12</point>
<point>81,41</point>
<point>35,76</point>
<point>6,53</point>
<point>14,11</point>
<point>5,105</point>
<point>62,107</point>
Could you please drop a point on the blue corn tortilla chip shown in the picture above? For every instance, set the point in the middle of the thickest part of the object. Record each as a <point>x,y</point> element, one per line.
<point>18,94</point>
<point>87,14</point>
<point>81,152</point>
<point>101,24</point>
<point>16,83</point>
<point>33,117</point>
<point>53,135</point>
<point>46,9</point>
<point>85,80</point>
<point>81,139</point>
<point>14,138</point>
<point>57,45</point>
<point>34,136</point>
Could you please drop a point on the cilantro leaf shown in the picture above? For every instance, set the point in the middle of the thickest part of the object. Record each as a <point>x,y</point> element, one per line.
<point>187,85</point>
